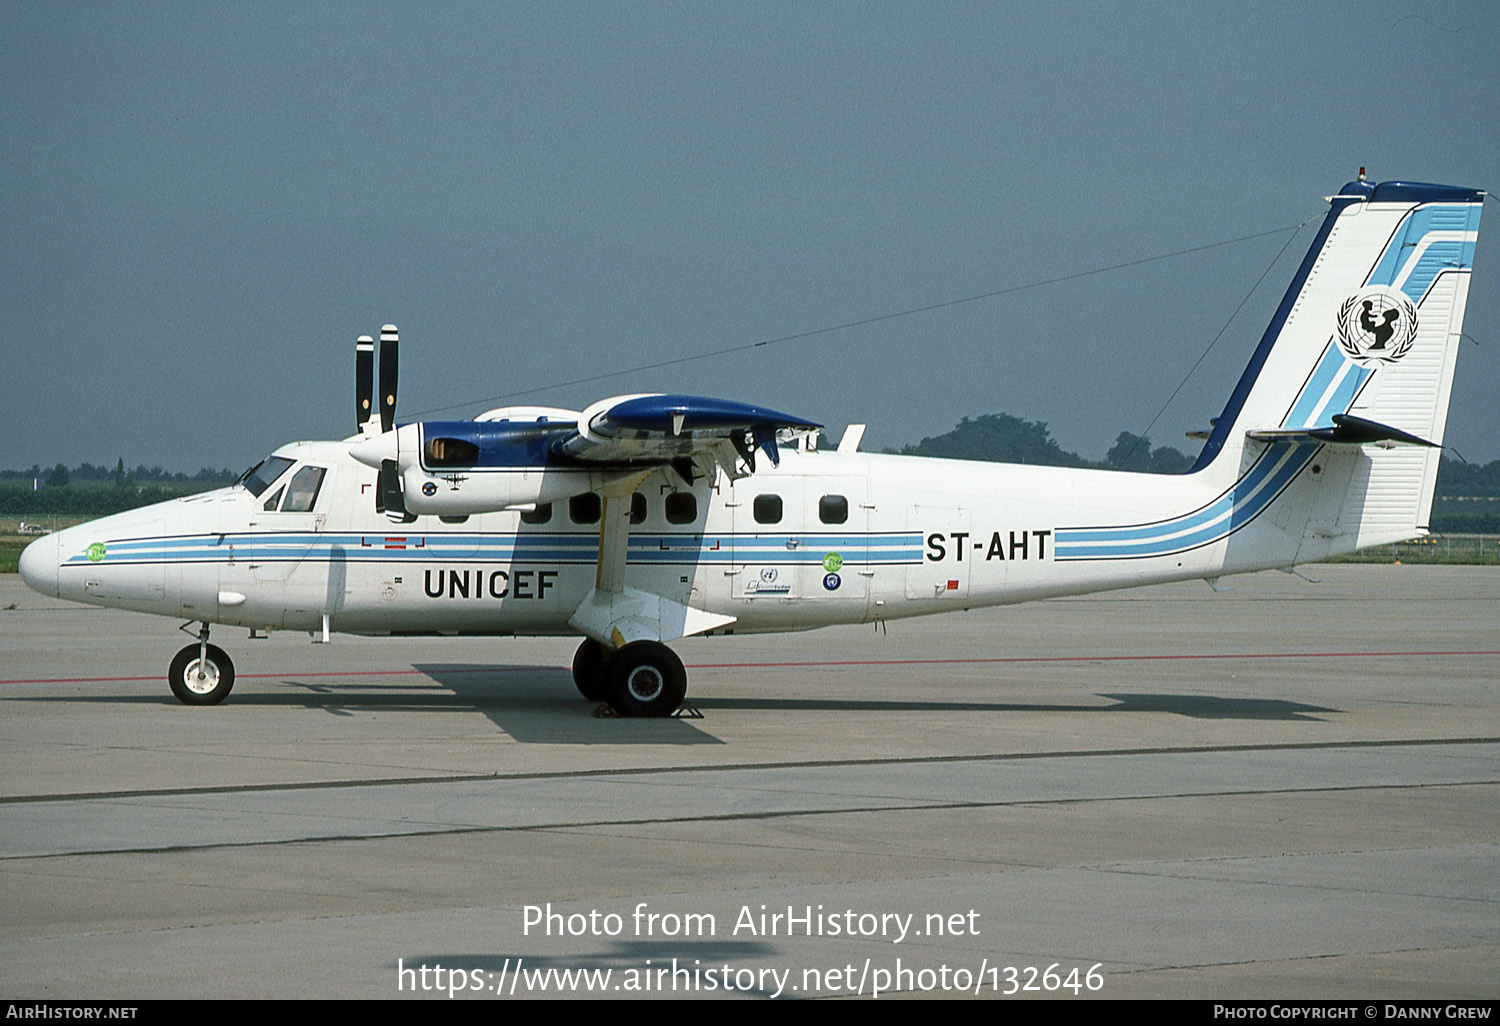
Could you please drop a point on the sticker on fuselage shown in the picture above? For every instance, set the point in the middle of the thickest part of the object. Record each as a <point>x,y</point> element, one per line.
<point>768,581</point>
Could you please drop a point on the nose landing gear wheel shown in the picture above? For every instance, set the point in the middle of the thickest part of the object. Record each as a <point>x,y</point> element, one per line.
<point>646,679</point>
<point>207,684</point>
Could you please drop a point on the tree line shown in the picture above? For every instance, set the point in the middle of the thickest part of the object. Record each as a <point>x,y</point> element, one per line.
<point>1001,438</point>
<point>60,476</point>
<point>94,491</point>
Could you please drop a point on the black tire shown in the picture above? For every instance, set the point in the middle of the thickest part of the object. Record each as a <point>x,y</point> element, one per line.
<point>646,679</point>
<point>183,676</point>
<point>591,670</point>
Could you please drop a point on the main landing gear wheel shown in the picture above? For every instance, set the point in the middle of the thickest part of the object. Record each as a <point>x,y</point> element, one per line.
<point>201,685</point>
<point>591,670</point>
<point>646,679</point>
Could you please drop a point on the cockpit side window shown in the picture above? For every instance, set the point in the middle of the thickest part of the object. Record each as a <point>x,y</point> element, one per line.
<point>274,501</point>
<point>261,476</point>
<point>302,493</point>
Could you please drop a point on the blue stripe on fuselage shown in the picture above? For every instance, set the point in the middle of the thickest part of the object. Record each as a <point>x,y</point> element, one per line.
<point>1242,503</point>
<point>872,549</point>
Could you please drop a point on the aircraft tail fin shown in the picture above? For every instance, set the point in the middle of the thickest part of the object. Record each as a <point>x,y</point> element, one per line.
<point>1355,369</point>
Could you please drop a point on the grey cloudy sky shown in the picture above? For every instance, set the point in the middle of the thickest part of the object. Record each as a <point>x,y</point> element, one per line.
<point>204,204</point>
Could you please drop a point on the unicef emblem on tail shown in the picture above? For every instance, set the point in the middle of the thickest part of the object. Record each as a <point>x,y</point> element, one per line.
<point>1377,324</point>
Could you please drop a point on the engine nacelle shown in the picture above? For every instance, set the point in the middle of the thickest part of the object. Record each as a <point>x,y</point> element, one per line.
<point>462,492</point>
<point>461,468</point>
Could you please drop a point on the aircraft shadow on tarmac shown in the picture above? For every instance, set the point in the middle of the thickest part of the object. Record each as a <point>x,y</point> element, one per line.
<point>1215,707</point>
<point>531,704</point>
<point>539,705</point>
<point>496,689</point>
<point>1205,707</point>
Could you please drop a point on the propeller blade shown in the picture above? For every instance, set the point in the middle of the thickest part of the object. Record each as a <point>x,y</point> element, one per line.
<point>388,343</point>
<point>390,499</point>
<point>364,381</point>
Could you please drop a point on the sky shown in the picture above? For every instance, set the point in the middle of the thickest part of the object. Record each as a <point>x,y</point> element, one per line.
<point>204,204</point>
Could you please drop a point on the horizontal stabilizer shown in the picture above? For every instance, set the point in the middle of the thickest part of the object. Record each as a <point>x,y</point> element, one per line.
<point>1346,430</point>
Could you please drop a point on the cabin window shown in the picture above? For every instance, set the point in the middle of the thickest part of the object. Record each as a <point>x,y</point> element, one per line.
<point>450,452</point>
<point>833,509</point>
<point>768,509</point>
<point>585,508</point>
<point>302,493</point>
<point>454,520</point>
<point>271,503</point>
<point>682,508</point>
<point>637,508</point>
<point>261,476</point>
<point>541,515</point>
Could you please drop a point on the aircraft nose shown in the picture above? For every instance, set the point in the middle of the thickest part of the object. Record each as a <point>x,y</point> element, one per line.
<point>39,565</point>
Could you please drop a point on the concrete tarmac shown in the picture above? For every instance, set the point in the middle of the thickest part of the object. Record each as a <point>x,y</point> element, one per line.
<point>1284,790</point>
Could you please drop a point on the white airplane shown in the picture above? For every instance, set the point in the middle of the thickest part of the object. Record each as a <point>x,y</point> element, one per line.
<point>648,518</point>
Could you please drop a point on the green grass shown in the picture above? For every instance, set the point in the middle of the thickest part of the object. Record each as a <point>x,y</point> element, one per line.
<point>12,542</point>
<point>10,552</point>
<point>1448,549</point>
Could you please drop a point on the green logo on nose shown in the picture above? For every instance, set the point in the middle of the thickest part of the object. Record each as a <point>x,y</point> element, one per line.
<point>832,562</point>
<point>95,552</point>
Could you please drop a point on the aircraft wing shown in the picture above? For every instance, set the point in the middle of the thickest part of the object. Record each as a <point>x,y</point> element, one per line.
<point>517,458</point>
<point>663,428</point>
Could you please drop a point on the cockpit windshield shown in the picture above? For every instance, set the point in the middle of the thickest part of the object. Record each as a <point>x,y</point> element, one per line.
<point>260,477</point>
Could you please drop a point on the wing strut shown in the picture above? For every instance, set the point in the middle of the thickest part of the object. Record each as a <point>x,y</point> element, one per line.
<point>614,533</point>
<point>615,615</point>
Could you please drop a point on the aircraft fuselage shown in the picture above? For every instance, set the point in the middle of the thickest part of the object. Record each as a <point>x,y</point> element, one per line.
<point>826,538</point>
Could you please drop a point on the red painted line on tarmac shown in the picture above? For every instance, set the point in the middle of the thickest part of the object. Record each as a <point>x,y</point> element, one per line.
<point>812,663</point>
<point>299,676</point>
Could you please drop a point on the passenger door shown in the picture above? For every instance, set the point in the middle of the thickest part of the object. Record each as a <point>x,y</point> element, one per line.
<point>767,539</point>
